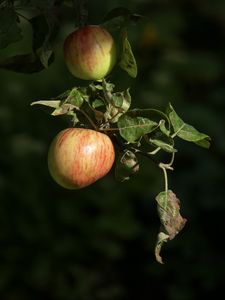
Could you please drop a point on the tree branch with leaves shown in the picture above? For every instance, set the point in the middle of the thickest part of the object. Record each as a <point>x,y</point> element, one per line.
<point>91,54</point>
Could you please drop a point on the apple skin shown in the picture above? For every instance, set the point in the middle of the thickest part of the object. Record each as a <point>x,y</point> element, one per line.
<point>78,157</point>
<point>90,52</point>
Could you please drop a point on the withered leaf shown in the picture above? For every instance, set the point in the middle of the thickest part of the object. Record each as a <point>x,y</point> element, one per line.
<point>171,221</point>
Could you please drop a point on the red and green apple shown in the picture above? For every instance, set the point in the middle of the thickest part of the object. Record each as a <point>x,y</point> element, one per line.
<point>78,157</point>
<point>90,52</point>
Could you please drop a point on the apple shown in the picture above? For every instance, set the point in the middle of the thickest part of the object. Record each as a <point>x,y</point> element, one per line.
<point>90,52</point>
<point>78,157</point>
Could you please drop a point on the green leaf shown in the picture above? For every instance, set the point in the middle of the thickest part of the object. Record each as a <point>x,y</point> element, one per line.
<point>116,103</point>
<point>163,145</point>
<point>48,103</point>
<point>122,100</point>
<point>126,165</point>
<point>75,98</point>
<point>119,104</point>
<point>95,87</point>
<point>163,128</point>
<point>64,109</point>
<point>186,131</point>
<point>108,87</point>
<point>60,108</point>
<point>164,142</point>
<point>127,62</point>
<point>172,222</point>
<point>9,29</point>
<point>97,103</point>
<point>132,127</point>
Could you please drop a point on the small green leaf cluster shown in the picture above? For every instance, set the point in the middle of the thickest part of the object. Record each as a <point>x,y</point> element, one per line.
<point>134,131</point>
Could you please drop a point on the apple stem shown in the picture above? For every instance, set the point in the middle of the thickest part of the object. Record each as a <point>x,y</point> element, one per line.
<point>88,118</point>
<point>82,12</point>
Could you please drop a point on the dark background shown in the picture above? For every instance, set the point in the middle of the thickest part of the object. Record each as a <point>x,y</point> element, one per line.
<point>98,243</point>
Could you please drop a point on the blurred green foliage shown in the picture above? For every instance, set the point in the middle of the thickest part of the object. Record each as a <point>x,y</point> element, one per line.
<point>98,243</point>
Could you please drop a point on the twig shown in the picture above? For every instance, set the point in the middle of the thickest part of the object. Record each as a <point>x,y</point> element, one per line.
<point>82,12</point>
<point>88,118</point>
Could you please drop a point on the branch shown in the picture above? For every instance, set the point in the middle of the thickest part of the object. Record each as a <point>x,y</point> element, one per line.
<point>82,12</point>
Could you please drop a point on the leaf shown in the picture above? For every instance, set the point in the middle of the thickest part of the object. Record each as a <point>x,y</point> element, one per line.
<point>122,100</point>
<point>95,87</point>
<point>127,62</point>
<point>186,131</point>
<point>40,30</point>
<point>119,104</point>
<point>24,63</point>
<point>45,56</point>
<point>132,127</point>
<point>164,142</point>
<point>163,128</point>
<point>117,12</point>
<point>64,109</point>
<point>118,18</point>
<point>126,165</point>
<point>69,100</point>
<point>97,103</point>
<point>9,29</point>
<point>171,221</point>
<point>161,239</point>
<point>60,108</point>
<point>108,87</point>
<point>75,98</point>
<point>116,103</point>
<point>48,103</point>
<point>44,28</point>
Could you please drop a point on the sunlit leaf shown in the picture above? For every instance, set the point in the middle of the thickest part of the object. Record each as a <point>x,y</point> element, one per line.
<point>48,103</point>
<point>186,131</point>
<point>75,97</point>
<point>164,142</point>
<point>118,105</point>
<point>97,103</point>
<point>122,100</point>
<point>171,221</point>
<point>60,107</point>
<point>133,127</point>
<point>64,109</point>
<point>163,128</point>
